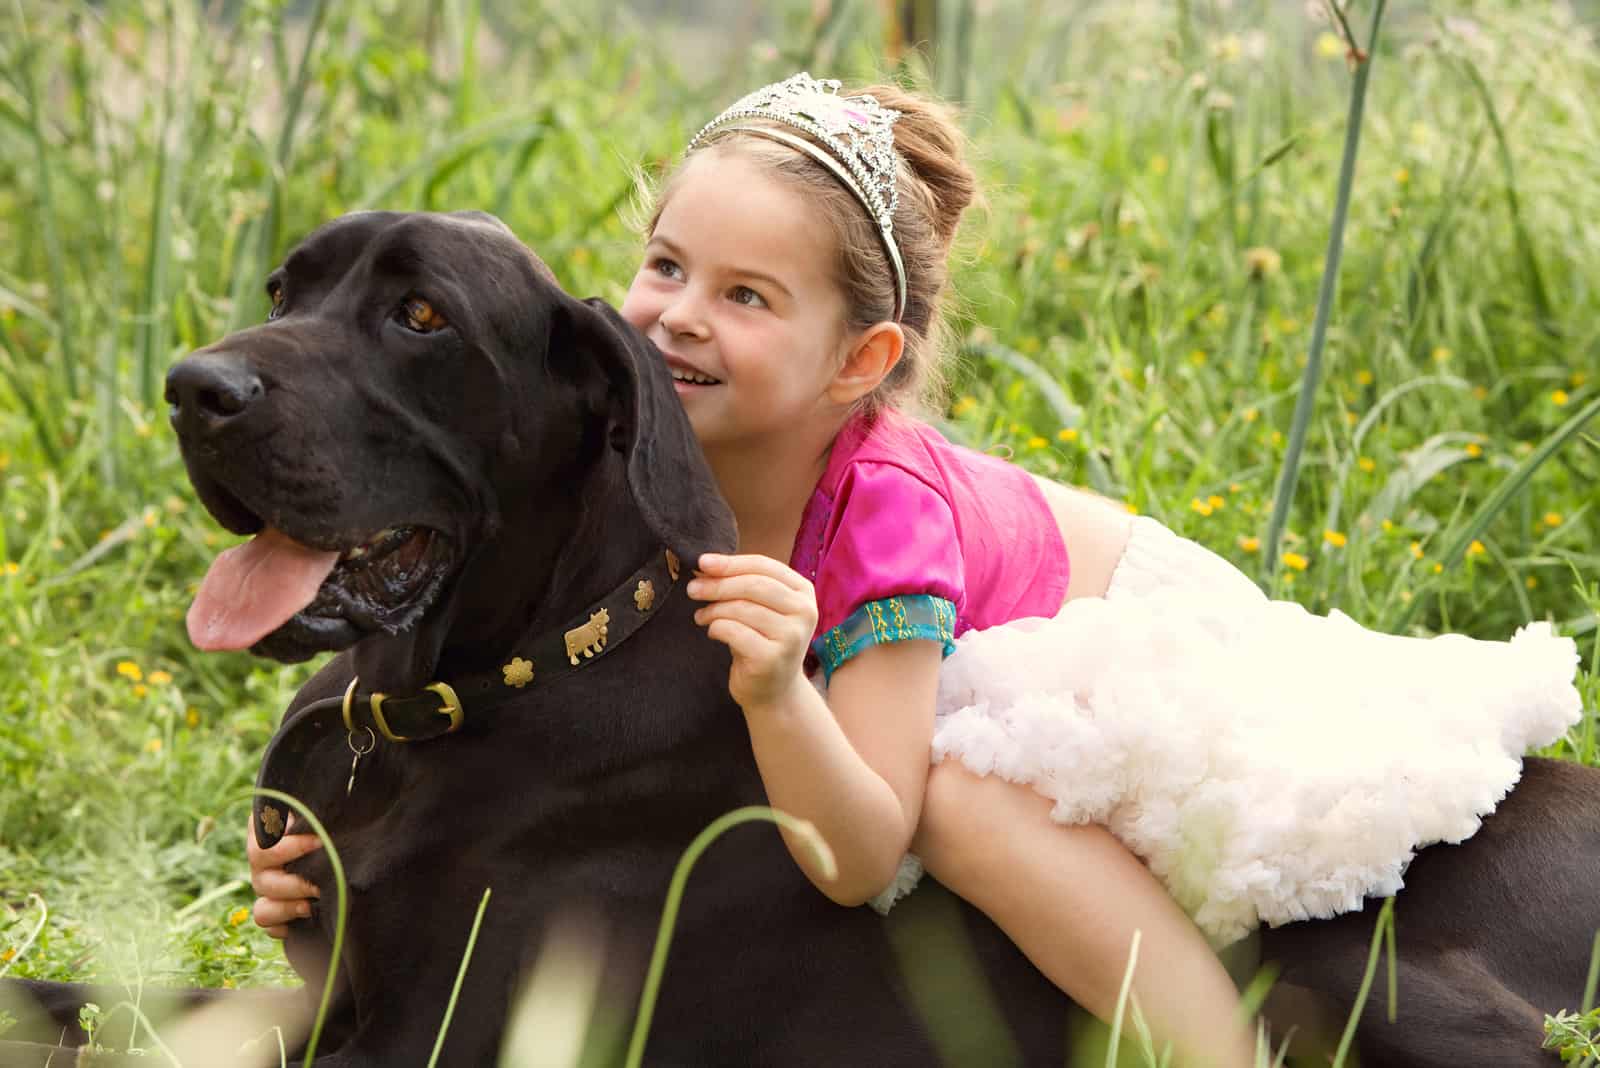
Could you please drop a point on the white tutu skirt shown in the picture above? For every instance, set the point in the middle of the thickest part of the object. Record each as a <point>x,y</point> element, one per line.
<point>1268,764</point>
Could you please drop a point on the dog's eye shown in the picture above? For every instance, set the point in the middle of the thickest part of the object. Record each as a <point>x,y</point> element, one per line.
<point>275,291</point>
<point>421,316</point>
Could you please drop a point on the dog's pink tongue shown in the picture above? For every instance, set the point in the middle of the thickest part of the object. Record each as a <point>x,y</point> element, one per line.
<point>253,589</point>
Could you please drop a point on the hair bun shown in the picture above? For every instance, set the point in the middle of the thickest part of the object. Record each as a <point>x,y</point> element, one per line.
<point>932,146</point>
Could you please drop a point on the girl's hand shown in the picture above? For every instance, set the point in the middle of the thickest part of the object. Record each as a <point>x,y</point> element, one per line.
<point>765,612</point>
<point>284,897</point>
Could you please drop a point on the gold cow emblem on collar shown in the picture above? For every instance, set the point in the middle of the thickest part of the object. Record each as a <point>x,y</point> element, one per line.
<point>645,595</point>
<point>590,638</point>
<point>271,820</point>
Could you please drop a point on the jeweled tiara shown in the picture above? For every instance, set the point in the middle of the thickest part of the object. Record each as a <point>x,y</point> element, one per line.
<point>854,139</point>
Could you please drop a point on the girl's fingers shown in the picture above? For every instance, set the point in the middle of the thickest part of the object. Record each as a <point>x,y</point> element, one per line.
<point>277,883</point>
<point>719,566</point>
<point>292,846</point>
<point>762,589</point>
<point>771,626</point>
<point>275,916</point>
<point>289,847</point>
<point>740,639</point>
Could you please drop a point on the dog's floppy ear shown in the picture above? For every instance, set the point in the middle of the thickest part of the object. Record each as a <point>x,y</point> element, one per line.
<point>669,478</point>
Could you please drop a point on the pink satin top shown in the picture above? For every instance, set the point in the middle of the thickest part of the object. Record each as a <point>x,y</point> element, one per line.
<point>909,536</point>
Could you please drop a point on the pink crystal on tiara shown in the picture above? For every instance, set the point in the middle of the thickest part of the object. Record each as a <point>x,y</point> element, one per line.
<point>855,131</point>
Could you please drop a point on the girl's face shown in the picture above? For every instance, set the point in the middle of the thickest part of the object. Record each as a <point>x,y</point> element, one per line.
<point>737,291</point>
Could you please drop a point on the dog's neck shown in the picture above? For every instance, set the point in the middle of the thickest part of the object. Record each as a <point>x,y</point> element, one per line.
<point>548,565</point>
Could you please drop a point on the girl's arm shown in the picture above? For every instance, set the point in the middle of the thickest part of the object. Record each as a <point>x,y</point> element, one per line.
<point>855,765</point>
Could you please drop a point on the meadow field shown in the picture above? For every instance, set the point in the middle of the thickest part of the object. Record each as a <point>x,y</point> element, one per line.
<point>1139,300</point>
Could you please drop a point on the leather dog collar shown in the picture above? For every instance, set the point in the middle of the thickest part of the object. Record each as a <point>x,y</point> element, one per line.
<point>441,707</point>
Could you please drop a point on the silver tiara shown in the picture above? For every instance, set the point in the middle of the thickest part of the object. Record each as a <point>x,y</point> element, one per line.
<point>856,139</point>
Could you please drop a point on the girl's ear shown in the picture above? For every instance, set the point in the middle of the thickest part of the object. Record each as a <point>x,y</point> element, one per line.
<point>871,357</point>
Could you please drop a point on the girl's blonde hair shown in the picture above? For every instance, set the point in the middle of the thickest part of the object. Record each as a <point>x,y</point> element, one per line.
<point>936,187</point>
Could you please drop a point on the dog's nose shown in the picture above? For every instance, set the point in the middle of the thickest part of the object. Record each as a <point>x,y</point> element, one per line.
<point>212,387</point>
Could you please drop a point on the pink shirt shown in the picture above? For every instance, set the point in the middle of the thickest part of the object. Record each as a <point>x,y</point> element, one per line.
<point>909,536</point>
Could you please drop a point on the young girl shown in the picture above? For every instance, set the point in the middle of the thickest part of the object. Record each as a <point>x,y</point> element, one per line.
<point>792,279</point>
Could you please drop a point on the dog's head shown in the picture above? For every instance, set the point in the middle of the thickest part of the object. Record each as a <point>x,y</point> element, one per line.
<point>418,377</point>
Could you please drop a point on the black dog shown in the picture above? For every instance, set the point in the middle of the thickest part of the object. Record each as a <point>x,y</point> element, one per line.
<point>498,492</point>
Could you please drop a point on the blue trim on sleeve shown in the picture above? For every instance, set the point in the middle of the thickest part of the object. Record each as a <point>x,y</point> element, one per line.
<point>892,619</point>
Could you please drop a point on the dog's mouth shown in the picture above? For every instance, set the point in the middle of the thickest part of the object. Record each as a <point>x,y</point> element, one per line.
<point>292,599</point>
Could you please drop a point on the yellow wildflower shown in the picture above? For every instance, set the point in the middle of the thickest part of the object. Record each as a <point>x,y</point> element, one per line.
<point>1277,437</point>
<point>1334,538</point>
<point>192,717</point>
<point>1476,548</point>
<point>1296,561</point>
<point>1552,519</point>
<point>1474,450</point>
<point>1416,550</point>
<point>1578,378</point>
<point>1402,176</point>
<point>1132,508</point>
<point>1250,545</point>
<point>963,406</point>
<point>1388,525</point>
<point>1559,398</point>
<point>1203,507</point>
<point>1531,582</point>
<point>1198,357</point>
<point>1480,392</point>
<point>1249,415</point>
<point>1329,46</point>
<point>140,689</point>
<point>1216,502</point>
<point>1262,261</point>
<point>1036,442</point>
<point>160,678</point>
<point>1234,487</point>
<point>1437,568</point>
<point>238,916</point>
<point>1363,377</point>
<point>12,567</point>
<point>128,669</point>
<point>153,745</point>
<point>1441,354</point>
<point>1067,433</point>
<point>7,954</point>
<point>1367,464</point>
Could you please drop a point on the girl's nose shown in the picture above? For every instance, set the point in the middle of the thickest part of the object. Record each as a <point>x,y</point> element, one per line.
<point>683,316</point>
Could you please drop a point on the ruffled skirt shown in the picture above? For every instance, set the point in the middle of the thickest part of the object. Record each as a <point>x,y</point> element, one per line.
<point>1268,764</point>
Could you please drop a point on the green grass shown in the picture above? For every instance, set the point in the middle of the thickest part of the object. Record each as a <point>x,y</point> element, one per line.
<point>1138,304</point>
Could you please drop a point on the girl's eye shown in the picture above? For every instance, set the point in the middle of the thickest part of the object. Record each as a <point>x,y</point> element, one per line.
<point>748,297</point>
<point>419,315</point>
<point>665,267</point>
<point>275,292</point>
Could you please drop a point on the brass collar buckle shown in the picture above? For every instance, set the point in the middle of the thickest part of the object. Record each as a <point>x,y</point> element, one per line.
<point>410,718</point>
